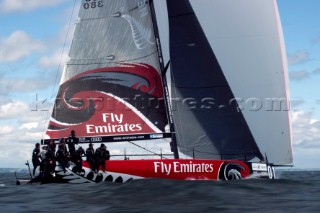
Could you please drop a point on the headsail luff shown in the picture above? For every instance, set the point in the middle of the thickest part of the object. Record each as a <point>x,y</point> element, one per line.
<point>206,123</point>
<point>111,84</point>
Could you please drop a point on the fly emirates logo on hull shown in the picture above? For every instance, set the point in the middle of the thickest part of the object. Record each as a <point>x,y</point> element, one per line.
<point>177,167</point>
<point>114,124</point>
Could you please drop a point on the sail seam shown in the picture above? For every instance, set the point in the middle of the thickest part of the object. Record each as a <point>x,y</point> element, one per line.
<point>207,87</point>
<point>88,19</point>
<point>135,8</point>
<point>180,15</point>
<point>109,61</point>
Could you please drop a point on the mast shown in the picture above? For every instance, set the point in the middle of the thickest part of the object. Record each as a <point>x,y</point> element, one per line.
<point>173,144</point>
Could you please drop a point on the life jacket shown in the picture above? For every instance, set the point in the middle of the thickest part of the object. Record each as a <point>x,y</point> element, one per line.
<point>71,141</point>
<point>35,153</point>
<point>90,153</point>
<point>43,154</point>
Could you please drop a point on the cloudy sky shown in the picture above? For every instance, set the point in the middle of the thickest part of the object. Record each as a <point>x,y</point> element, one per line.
<point>35,37</point>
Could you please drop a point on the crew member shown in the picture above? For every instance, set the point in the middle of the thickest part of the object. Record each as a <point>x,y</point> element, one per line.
<point>43,159</point>
<point>78,159</point>
<point>101,155</point>
<point>35,158</point>
<point>62,156</point>
<point>50,158</point>
<point>90,157</point>
<point>71,141</point>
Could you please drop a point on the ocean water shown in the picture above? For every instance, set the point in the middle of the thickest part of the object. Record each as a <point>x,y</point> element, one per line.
<point>293,191</point>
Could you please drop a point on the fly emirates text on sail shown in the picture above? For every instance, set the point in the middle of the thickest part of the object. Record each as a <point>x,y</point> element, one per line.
<point>114,124</point>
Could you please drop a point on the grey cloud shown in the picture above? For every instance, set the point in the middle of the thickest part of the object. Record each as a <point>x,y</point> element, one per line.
<point>18,45</point>
<point>302,74</point>
<point>4,100</point>
<point>309,144</point>
<point>309,141</point>
<point>298,57</point>
<point>299,75</point>
<point>316,40</point>
<point>11,85</point>
<point>7,6</point>
<point>296,102</point>
<point>305,130</point>
<point>316,71</point>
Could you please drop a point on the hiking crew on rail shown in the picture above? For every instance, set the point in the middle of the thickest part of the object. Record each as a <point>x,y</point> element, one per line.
<point>48,157</point>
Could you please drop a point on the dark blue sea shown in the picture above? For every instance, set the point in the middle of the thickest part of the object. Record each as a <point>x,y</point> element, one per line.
<point>293,191</point>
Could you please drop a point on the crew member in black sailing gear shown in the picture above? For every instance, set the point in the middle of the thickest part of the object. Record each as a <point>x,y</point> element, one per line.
<point>62,156</point>
<point>43,159</point>
<point>90,157</point>
<point>101,155</point>
<point>78,160</point>
<point>35,158</point>
<point>71,141</point>
<point>50,159</point>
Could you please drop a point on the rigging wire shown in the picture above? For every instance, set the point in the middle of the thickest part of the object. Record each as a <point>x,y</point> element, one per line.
<point>192,149</point>
<point>58,71</point>
<point>147,149</point>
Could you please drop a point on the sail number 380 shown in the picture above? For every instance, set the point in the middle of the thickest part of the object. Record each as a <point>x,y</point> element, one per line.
<point>92,4</point>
